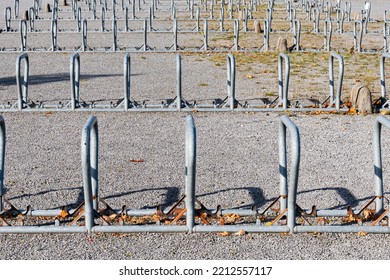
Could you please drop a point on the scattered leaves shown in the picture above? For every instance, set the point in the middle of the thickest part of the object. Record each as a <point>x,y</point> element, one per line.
<point>230,218</point>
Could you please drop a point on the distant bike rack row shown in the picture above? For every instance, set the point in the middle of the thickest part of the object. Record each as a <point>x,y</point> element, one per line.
<point>188,214</point>
<point>147,23</point>
<point>178,103</point>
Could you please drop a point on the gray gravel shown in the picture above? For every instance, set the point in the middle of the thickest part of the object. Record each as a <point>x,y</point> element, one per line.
<point>237,163</point>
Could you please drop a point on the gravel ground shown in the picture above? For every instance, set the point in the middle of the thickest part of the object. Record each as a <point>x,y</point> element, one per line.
<point>237,164</point>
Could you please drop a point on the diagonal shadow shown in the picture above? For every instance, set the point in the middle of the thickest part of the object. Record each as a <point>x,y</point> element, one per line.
<point>172,195</point>
<point>344,193</point>
<point>52,78</point>
<point>255,193</point>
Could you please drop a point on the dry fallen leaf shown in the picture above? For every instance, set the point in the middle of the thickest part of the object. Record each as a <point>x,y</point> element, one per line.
<point>239,233</point>
<point>362,233</point>
<point>368,214</point>
<point>231,218</point>
<point>225,233</point>
<point>136,160</point>
<point>249,76</point>
<point>64,214</point>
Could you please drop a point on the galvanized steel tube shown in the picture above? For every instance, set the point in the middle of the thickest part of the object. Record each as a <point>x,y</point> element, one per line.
<point>231,80</point>
<point>114,35</point>
<point>22,84</point>
<point>54,31</point>
<point>2,160</point>
<point>89,158</point>
<point>31,19</point>
<point>23,35</point>
<point>75,80</point>
<point>127,75</point>
<point>382,74</point>
<point>138,229</point>
<point>190,173</point>
<point>283,84</point>
<point>378,171</point>
<point>237,228</point>
<point>336,99</point>
<point>7,17</point>
<point>285,122</point>
<point>178,82</point>
<point>42,229</point>
<point>85,35</point>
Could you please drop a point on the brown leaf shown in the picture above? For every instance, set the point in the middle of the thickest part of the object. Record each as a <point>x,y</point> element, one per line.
<point>368,214</point>
<point>136,160</point>
<point>362,233</point>
<point>225,233</point>
<point>239,233</point>
<point>64,214</point>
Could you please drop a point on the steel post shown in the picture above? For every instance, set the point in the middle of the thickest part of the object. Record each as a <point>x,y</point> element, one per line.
<point>2,161</point>
<point>89,157</point>
<point>22,84</point>
<point>75,80</point>
<point>336,99</point>
<point>127,75</point>
<point>283,82</point>
<point>190,173</point>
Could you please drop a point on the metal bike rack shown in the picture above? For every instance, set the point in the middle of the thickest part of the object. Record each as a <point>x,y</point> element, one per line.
<point>384,100</point>
<point>2,160</point>
<point>23,35</point>
<point>102,17</point>
<point>75,80</point>
<point>36,7</point>
<point>54,33</point>
<point>7,18</point>
<point>236,35</point>
<point>283,83</point>
<point>297,34</point>
<point>16,8</point>
<point>22,84</point>
<point>84,46</point>
<point>286,200</point>
<point>317,20</point>
<point>366,219</point>
<point>79,20</point>
<point>266,35</point>
<point>114,36</point>
<point>335,99</point>
<point>153,21</point>
<point>229,103</point>
<point>358,38</point>
<point>31,19</point>
<point>188,214</point>
<point>327,35</point>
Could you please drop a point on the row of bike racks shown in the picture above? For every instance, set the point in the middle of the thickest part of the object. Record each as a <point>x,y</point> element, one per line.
<point>178,103</point>
<point>132,25</point>
<point>188,214</point>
